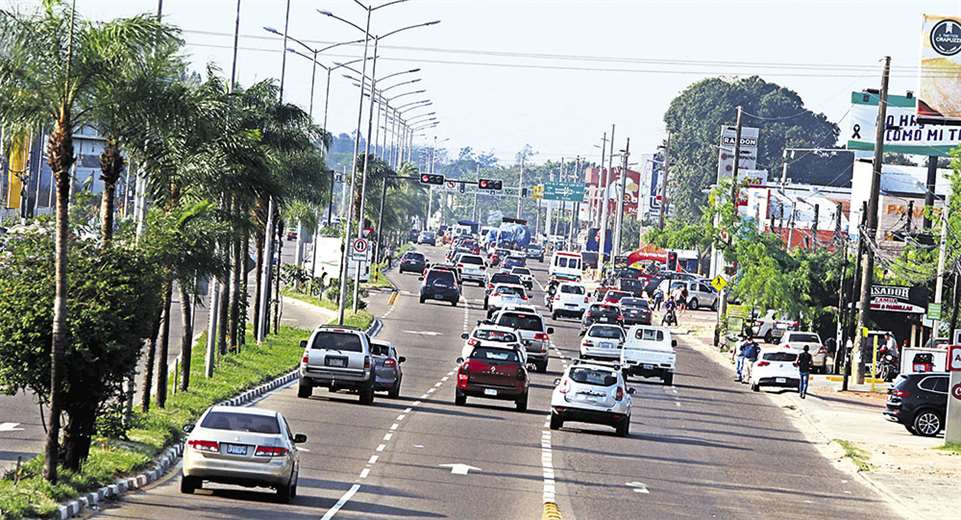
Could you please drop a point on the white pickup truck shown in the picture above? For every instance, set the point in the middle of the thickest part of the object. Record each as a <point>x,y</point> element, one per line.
<point>649,352</point>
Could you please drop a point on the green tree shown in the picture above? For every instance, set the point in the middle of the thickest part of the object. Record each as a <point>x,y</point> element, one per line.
<point>695,117</point>
<point>50,64</point>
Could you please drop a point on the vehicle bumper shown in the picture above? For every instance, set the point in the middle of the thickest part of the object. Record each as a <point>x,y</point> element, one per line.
<point>592,416</point>
<point>640,320</point>
<point>504,393</point>
<point>275,472</point>
<point>330,379</point>
<point>647,369</point>
<point>789,382</point>
<point>407,268</point>
<point>480,278</point>
<point>601,353</point>
<point>449,295</point>
<point>568,311</point>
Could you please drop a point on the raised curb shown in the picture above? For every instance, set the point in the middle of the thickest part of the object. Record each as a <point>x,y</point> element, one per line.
<point>169,457</point>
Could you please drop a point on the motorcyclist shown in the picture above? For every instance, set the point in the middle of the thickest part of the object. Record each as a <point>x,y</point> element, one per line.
<point>670,317</point>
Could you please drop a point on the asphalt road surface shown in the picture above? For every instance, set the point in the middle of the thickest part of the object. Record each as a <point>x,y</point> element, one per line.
<point>704,448</point>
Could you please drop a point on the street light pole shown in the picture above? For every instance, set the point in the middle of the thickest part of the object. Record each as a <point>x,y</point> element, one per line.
<point>602,238</point>
<point>363,181</point>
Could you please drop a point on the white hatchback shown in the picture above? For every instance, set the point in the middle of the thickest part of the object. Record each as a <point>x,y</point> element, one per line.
<point>775,366</point>
<point>592,393</point>
<point>602,341</point>
<point>570,299</point>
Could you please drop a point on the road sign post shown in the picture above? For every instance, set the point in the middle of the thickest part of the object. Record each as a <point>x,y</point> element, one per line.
<point>952,423</point>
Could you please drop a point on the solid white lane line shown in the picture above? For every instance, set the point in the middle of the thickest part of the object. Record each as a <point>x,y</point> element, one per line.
<point>373,459</point>
<point>381,447</point>
<point>364,473</point>
<point>340,503</point>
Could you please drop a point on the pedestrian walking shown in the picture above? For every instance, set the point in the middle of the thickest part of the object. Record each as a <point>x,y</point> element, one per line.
<point>751,352</point>
<point>658,298</point>
<point>804,362</point>
<point>739,360</point>
<point>684,298</point>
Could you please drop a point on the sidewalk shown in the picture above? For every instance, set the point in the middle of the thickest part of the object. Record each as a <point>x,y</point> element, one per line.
<point>918,480</point>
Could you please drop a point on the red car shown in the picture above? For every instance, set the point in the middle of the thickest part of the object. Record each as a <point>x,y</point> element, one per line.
<point>613,297</point>
<point>493,373</point>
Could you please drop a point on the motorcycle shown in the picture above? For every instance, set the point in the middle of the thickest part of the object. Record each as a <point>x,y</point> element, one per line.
<point>888,369</point>
<point>670,318</point>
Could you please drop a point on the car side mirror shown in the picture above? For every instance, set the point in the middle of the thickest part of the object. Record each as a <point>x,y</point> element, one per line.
<point>674,343</point>
<point>401,359</point>
<point>460,360</point>
<point>300,438</point>
<point>550,330</point>
<point>557,381</point>
<point>303,343</point>
<point>465,335</point>
<point>630,391</point>
<point>189,427</point>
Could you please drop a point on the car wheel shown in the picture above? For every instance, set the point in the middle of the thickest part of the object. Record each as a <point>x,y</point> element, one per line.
<point>394,392</point>
<point>367,396</point>
<point>557,422</point>
<point>422,299</point>
<point>554,316</point>
<point>768,338</point>
<point>521,404</point>
<point>453,303</point>
<point>910,428</point>
<point>304,391</point>
<point>668,380</point>
<point>542,367</point>
<point>714,306</point>
<point>485,304</point>
<point>190,484</point>
<point>285,493</point>
<point>693,304</point>
<point>624,428</point>
<point>755,387</point>
<point>928,423</point>
<point>459,398</point>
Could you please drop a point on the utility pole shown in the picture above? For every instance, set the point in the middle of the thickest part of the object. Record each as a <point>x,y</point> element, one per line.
<point>870,221</point>
<point>929,190</point>
<point>520,185</point>
<point>622,187</point>
<point>939,285</point>
<point>662,212</point>
<point>855,286</point>
<point>842,245</point>
<point>601,181</point>
<point>718,263</point>
<point>602,239</point>
<point>814,227</point>
<point>576,207</point>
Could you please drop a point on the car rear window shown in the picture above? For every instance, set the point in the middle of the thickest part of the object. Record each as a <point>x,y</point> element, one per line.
<point>572,289</point>
<point>495,335</point>
<point>779,356</point>
<point>634,302</point>
<point>520,321</point>
<point>506,289</point>
<point>241,422</point>
<point>414,256</point>
<point>630,283</point>
<point>649,335</point>
<point>521,270</point>
<point>440,278</point>
<point>471,259</point>
<point>593,376</point>
<point>494,354</point>
<point>804,338</point>
<point>506,278</point>
<point>602,309</point>
<point>605,332</point>
<point>344,341</point>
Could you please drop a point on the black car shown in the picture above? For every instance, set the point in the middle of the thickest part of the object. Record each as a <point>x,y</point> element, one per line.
<point>500,277</point>
<point>412,235</point>
<point>412,262</point>
<point>655,281</point>
<point>601,313</point>
<point>535,251</point>
<point>636,311</point>
<point>919,402</point>
<point>440,285</point>
<point>631,285</point>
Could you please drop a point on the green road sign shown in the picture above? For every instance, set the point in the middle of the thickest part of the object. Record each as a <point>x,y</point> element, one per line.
<point>934,311</point>
<point>565,191</point>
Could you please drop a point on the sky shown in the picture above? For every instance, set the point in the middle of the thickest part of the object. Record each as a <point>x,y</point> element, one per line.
<point>556,74</point>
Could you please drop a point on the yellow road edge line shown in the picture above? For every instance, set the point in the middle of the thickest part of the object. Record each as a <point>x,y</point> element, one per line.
<point>551,512</point>
<point>392,299</point>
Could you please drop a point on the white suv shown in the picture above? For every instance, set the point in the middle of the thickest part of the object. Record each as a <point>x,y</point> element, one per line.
<point>472,268</point>
<point>592,393</point>
<point>570,299</point>
<point>338,359</point>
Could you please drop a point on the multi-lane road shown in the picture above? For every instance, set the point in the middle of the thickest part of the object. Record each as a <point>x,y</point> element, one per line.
<point>703,448</point>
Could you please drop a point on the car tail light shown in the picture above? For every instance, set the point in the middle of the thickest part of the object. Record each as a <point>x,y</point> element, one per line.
<point>521,375</point>
<point>524,298</point>
<point>206,446</point>
<point>269,451</point>
<point>787,345</point>
<point>565,386</point>
<point>390,362</point>
<point>763,363</point>
<point>366,362</point>
<point>620,317</point>
<point>460,266</point>
<point>542,336</point>
<point>306,358</point>
<point>557,297</point>
<point>587,300</point>
<point>619,394</point>
<point>900,393</point>
<point>473,342</point>
<point>822,350</point>
<point>587,343</point>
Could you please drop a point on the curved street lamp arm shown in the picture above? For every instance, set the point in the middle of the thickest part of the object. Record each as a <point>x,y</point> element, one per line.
<point>346,21</point>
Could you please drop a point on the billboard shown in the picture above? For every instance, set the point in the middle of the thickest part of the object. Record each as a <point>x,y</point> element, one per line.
<point>748,150</point>
<point>905,133</point>
<point>940,78</point>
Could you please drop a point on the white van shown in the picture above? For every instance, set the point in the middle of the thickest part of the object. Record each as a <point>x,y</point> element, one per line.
<point>565,265</point>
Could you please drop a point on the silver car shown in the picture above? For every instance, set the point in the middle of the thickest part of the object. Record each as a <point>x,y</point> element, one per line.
<point>387,372</point>
<point>244,446</point>
<point>594,393</point>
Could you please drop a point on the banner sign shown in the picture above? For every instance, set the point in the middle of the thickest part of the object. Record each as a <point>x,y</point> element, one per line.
<point>905,133</point>
<point>748,150</point>
<point>940,78</point>
<point>892,298</point>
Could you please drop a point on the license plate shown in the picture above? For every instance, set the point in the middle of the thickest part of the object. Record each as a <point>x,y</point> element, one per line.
<point>490,391</point>
<point>235,449</point>
<point>648,366</point>
<point>570,305</point>
<point>780,380</point>
<point>339,362</point>
<point>607,344</point>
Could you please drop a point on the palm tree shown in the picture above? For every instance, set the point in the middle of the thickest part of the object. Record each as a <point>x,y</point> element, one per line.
<point>50,63</point>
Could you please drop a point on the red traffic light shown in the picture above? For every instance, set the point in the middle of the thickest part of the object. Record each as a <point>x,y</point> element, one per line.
<point>490,184</point>
<point>431,178</point>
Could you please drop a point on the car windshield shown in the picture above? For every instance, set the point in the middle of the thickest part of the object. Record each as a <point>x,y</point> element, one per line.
<point>506,289</point>
<point>521,270</point>
<point>241,422</point>
<point>779,356</point>
<point>605,332</point>
<point>495,335</point>
<point>471,259</point>
<point>520,321</point>
<point>634,303</point>
<point>343,341</point>
<point>572,289</point>
<point>649,334</point>
<point>593,376</point>
<point>804,338</point>
<point>494,354</point>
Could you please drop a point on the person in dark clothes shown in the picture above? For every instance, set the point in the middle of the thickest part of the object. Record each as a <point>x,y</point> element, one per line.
<point>804,363</point>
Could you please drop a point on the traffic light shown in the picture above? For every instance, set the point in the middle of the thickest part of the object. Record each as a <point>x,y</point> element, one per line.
<point>671,261</point>
<point>490,184</point>
<point>463,187</point>
<point>431,178</point>
<point>523,192</point>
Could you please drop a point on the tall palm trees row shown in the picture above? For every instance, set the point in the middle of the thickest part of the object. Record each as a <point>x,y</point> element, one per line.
<point>205,152</point>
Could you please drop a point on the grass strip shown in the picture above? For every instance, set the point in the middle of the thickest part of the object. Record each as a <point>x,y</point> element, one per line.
<point>857,455</point>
